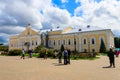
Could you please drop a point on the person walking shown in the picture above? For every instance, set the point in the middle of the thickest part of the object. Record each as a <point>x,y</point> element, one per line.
<point>111,58</point>
<point>68,59</point>
<point>60,56</point>
<point>23,54</point>
<point>65,56</point>
<point>46,53</point>
<point>30,53</point>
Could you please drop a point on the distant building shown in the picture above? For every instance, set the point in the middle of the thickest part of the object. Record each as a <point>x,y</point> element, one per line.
<point>28,38</point>
<point>83,40</point>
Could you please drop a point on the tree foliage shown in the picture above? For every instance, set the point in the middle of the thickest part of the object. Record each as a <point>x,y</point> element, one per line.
<point>117,42</point>
<point>102,47</point>
<point>62,48</point>
<point>1,44</point>
<point>14,52</point>
<point>37,49</point>
<point>4,48</point>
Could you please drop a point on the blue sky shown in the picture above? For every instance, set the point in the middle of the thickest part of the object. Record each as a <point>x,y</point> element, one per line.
<point>70,5</point>
<point>45,14</point>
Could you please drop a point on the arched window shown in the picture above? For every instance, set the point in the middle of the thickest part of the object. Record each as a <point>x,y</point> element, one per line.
<point>69,42</point>
<point>54,43</point>
<point>63,42</point>
<point>74,41</point>
<point>93,41</point>
<point>84,41</point>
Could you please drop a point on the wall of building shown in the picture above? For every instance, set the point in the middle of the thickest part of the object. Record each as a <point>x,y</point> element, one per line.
<point>27,36</point>
<point>56,41</point>
<point>84,39</point>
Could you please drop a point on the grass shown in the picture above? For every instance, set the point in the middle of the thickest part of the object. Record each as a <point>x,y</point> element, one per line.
<point>104,54</point>
<point>85,58</point>
<point>72,57</point>
<point>33,54</point>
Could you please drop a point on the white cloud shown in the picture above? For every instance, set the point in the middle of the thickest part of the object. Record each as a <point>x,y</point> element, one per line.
<point>11,29</point>
<point>64,1</point>
<point>39,13</point>
<point>103,14</point>
<point>16,14</point>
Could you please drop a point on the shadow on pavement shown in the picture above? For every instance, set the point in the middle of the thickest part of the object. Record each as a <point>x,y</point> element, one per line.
<point>108,67</point>
<point>58,64</point>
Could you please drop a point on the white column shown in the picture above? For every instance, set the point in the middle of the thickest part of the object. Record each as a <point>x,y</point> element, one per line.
<point>38,40</point>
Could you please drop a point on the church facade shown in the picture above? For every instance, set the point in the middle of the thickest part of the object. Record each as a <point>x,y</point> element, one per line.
<point>82,40</point>
<point>28,38</point>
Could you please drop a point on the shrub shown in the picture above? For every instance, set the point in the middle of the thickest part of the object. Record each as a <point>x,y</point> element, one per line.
<point>43,51</point>
<point>50,53</point>
<point>4,48</point>
<point>37,49</point>
<point>14,52</point>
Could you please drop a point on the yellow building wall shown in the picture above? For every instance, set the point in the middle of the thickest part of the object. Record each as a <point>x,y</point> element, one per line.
<point>79,40</point>
<point>28,35</point>
<point>95,46</point>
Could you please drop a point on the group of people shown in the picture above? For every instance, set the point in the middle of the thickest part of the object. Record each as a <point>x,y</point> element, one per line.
<point>66,54</point>
<point>23,53</point>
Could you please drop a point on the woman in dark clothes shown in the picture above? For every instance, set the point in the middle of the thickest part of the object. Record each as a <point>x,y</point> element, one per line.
<point>60,56</point>
<point>69,53</point>
<point>111,58</point>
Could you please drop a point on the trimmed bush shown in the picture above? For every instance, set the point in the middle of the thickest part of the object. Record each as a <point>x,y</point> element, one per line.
<point>50,53</point>
<point>14,52</point>
<point>37,49</point>
<point>42,52</point>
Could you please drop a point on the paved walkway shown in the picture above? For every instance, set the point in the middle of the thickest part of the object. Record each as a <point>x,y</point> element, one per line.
<point>13,68</point>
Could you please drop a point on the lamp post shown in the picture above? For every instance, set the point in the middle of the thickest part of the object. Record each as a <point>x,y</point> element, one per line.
<point>74,47</point>
<point>89,47</point>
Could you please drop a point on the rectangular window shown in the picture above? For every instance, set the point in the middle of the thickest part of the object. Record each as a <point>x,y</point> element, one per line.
<point>32,42</point>
<point>93,41</point>
<point>49,42</point>
<point>36,42</point>
<point>63,42</point>
<point>58,42</point>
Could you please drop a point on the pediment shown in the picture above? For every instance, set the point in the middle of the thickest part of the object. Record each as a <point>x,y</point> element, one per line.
<point>28,31</point>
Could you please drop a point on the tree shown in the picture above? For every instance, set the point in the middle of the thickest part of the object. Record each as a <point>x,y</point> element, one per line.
<point>117,42</point>
<point>1,44</point>
<point>62,48</point>
<point>4,48</point>
<point>102,47</point>
<point>37,49</point>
